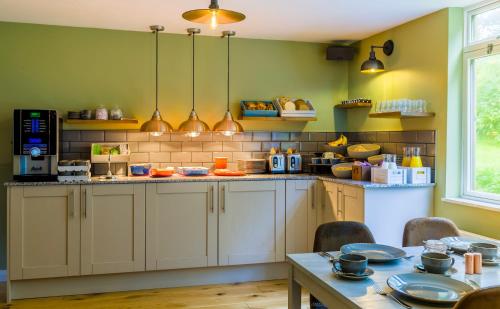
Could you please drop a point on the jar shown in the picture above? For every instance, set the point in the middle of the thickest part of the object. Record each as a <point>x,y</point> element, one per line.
<point>116,113</point>
<point>433,245</point>
<point>101,113</point>
<point>407,152</point>
<point>416,160</point>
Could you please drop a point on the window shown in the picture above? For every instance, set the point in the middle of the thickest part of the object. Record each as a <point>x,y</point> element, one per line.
<point>481,177</point>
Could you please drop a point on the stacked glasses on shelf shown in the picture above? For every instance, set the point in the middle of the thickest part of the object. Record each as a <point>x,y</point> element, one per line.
<point>402,105</point>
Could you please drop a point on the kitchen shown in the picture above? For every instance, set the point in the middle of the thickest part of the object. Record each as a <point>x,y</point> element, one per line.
<point>119,232</point>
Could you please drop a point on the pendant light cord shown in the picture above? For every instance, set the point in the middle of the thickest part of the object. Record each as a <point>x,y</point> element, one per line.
<point>156,63</point>
<point>228,58</point>
<point>193,34</point>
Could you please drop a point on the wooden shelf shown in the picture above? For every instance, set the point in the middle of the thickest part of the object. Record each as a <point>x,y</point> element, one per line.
<point>401,115</point>
<point>95,121</point>
<point>353,105</point>
<point>297,119</point>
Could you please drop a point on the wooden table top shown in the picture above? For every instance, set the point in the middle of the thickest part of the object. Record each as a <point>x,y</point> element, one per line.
<point>362,294</point>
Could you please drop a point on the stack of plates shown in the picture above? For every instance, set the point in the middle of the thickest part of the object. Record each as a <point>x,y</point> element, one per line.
<point>252,166</point>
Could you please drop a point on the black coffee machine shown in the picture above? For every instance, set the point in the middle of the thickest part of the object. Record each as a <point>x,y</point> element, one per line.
<point>36,145</point>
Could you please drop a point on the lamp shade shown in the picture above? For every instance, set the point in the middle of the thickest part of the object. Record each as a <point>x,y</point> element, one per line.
<point>156,126</point>
<point>228,126</point>
<point>213,15</point>
<point>193,126</point>
<point>372,65</point>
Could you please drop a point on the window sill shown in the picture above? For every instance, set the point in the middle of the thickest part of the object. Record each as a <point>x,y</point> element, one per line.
<point>471,203</point>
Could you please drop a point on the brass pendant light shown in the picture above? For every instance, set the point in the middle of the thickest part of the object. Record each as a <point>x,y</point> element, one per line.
<point>373,65</point>
<point>228,126</point>
<point>193,126</point>
<point>156,126</point>
<point>213,15</point>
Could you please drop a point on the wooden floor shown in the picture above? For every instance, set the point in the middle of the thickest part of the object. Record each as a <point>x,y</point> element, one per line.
<point>252,295</point>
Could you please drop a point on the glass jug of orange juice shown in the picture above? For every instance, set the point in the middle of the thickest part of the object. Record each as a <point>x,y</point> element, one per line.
<point>416,160</point>
<point>407,153</point>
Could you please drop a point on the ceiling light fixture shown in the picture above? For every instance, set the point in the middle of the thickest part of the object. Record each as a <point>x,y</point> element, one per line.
<point>373,65</point>
<point>193,126</point>
<point>213,15</point>
<point>156,126</point>
<point>228,126</point>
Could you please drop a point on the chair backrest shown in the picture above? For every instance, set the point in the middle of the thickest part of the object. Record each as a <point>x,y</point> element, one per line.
<point>483,298</point>
<point>420,229</point>
<point>333,235</point>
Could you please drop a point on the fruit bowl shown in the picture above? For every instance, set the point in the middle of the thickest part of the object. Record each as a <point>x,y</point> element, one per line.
<point>363,151</point>
<point>342,170</point>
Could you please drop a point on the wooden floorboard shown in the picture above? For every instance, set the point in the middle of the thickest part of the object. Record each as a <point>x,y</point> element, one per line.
<point>251,295</point>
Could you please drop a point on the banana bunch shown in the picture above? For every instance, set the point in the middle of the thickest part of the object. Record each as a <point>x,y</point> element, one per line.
<point>341,141</point>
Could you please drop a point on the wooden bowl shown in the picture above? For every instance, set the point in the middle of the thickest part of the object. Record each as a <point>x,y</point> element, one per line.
<point>342,170</point>
<point>363,151</point>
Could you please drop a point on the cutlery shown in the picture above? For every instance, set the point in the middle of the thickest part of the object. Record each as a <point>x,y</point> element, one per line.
<point>330,257</point>
<point>409,257</point>
<point>378,289</point>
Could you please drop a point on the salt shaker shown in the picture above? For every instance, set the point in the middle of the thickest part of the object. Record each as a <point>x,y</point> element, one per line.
<point>469,263</point>
<point>478,262</point>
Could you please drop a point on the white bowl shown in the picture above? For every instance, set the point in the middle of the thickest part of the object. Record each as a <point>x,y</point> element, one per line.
<point>363,151</point>
<point>340,170</point>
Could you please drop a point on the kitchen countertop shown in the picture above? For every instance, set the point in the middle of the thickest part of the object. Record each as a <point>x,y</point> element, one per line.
<point>260,177</point>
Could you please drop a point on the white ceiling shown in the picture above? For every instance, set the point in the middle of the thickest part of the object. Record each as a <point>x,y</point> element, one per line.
<point>297,20</point>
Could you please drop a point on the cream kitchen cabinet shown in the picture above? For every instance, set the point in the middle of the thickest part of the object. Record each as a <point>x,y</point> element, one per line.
<point>113,228</point>
<point>181,225</point>
<point>346,202</point>
<point>251,222</point>
<point>302,202</point>
<point>44,231</point>
<point>325,209</point>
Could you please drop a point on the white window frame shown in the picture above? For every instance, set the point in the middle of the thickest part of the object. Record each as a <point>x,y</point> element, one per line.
<point>474,50</point>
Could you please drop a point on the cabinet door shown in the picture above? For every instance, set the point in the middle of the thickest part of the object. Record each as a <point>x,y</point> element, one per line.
<point>251,222</point>
<point>300,215</point>
<point>44,231</point>
<point>332,210</point>
<point>113,228</point>
<point>353,203</point>
<point>181,225</point>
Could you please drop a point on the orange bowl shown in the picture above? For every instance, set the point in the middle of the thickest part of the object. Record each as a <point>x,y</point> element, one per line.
<point>161,172</point>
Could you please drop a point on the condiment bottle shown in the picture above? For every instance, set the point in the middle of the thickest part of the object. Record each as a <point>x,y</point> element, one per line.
<point>407,152</point>
<point>469,263</point>
<point>478,262</point>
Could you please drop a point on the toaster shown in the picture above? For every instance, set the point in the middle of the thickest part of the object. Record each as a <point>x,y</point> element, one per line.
<point>276,163</point>
<point>294,163</point>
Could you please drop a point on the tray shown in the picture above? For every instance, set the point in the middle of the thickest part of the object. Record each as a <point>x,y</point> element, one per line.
<point>192,171</point>
<point>297,113</point>
<point>123,157</point>
<point>258,113</point>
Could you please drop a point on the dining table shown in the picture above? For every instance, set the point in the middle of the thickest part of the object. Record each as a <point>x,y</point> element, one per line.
<point>313,272</point>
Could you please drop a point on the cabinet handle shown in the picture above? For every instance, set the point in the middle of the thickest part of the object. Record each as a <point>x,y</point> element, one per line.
<point>88,200</point>
<point>313,195</point>
<point>339,211</point>
<point>223,199</point>
<point>71,202</point>
<point>211,197</point>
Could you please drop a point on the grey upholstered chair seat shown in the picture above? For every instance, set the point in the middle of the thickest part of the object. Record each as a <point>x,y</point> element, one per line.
<point>331,236</point>
<point>420,229</point>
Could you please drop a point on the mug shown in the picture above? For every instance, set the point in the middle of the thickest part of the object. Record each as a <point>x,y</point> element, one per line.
<point>488,251</point>
<point>436,263</point>
<point>353,263</point>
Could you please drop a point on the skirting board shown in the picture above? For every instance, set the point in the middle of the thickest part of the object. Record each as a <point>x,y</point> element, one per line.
<point>145,280</point>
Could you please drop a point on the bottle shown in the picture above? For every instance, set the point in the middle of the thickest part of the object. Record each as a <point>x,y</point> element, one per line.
<point>416,160</point>
<point>407,151</point>
<point>392,162</point>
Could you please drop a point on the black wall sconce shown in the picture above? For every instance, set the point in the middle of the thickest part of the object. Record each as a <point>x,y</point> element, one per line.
<point>373,65</point>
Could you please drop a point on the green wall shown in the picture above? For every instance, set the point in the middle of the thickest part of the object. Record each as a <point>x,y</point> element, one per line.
<point>67,68</point>
<point>426,64</point>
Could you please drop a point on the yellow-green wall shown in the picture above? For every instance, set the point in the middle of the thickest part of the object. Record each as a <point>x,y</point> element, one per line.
<point>426,64</point>
<point>67,68</point>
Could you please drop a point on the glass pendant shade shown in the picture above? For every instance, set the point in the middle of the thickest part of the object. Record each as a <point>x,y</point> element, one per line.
<point>213,15</point>
<point>228,126</point>
<point>156,126</point>
<point>193,126</point>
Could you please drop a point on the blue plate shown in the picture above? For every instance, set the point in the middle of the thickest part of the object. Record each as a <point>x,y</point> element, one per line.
<point>375,253</point>
<point>429,287</point>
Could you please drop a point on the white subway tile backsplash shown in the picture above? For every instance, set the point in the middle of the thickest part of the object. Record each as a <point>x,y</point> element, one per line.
<point>212,146</point>
<point>243,137</point>
<point>251,146</point>
<point>159,157</point>
<point>232,146</point>
<point>180,157</point>
<point>261,136</point>
<point>241,156</point>
<point>280,136</point>
<point>171,146</point>
<point>136,136</point>
<point>192,146</point>
<point>228,155</point>
<point>179,137</point>
<point>139,157</point>
<point>201,156</point>
<point>149,146</point>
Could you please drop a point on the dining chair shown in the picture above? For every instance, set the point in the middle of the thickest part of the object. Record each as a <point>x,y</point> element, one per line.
<point>482,298</point>
<point>420,229</point>
<point>333,235</point>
